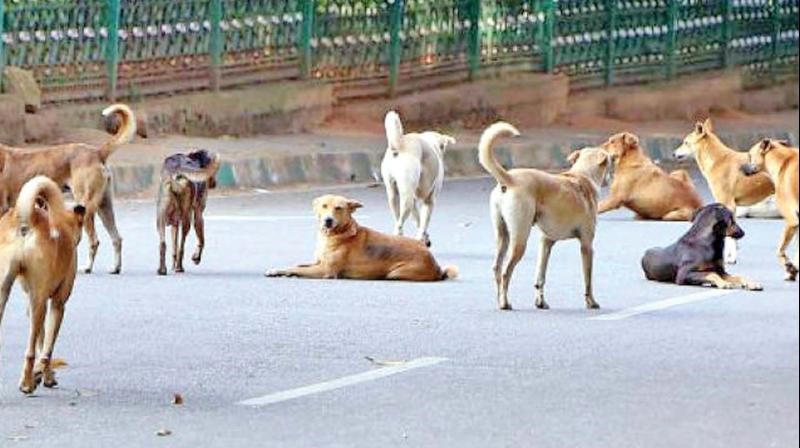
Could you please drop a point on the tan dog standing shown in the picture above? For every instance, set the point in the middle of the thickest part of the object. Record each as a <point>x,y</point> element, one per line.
<point>721,166</point>
<point>564,206</point>
<point>182,197</point>
<point>83,168</point>
<point>645,188</point>
<point>780,162</point>
<point>38,240</point>
<point>346,250</point>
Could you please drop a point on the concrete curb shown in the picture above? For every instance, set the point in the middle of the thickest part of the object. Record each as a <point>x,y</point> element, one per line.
<point>341,168</point>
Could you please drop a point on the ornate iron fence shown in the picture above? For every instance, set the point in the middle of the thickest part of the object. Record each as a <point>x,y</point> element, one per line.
<point>93,49</point>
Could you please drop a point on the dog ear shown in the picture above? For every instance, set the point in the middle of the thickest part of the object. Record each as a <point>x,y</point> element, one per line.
<point>709,125</point>
<point>700,129</point>
<point>630,141</point>
<point>766,146</point>
<point>572,158</point>
<point>354,205</point>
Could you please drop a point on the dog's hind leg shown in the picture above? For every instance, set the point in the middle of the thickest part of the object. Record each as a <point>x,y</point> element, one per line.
<point>502,239</point>
<point>587,254</point>
<point>200,231</point>
<point>394,204</point>
<point>791,268</point>
<point>94,242</point>
<point>518,232</point>
<point>162,247</point>
<point>175,243</point>
<point>38,308</point>
<point>185,228</point>
<point>425,221</point>
<point>7,280</point>
<point>545,249</point>
<point>106,212</point>
<point>679,215</point>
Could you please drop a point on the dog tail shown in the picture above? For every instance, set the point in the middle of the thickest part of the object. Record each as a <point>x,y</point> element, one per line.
<point>394,130</point>
<point>125,133</point>
<point>683,176</point>
<point>39,199</point>
<point>486,150</point>
<point>450,273</point>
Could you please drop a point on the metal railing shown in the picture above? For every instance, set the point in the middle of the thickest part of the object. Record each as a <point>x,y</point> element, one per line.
<point>94,49</point>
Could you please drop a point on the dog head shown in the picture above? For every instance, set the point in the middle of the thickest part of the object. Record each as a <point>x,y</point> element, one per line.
<point>621,144</point>
<point>335,213</point>
<point>720,220</point>
<point>597,162</point>
<point>758,155</point>
<point>692,141</point>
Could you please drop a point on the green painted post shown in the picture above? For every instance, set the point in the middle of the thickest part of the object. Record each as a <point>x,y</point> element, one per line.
<point>727,32</point>
<point>309,11</point>
<point>672,37</point>
<point>474,46</point>
<point>396,45</point>
<point>611,26</point>
<point>2,43</point>
<point>216,43</point>
<point>776,33</point>
<point>549,25</point>
<point>112,48</point>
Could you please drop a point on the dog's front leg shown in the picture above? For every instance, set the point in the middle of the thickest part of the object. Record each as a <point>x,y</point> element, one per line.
<point>315,271</point>
<point>742,283</point>
<point>609,204</point>
<point>587,254</point>
<point>199,229</point>
<point>162,234</point>
<point>791,268</point>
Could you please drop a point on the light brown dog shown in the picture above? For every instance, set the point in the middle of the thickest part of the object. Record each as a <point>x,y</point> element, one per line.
<point>564,206</point>
<point>721,166</point>
<point>645,188</point>
<point>185,181</point>
<point>38,240</point>
<point>83,168</point>
<point>780,162</point>
<point>346,250</point>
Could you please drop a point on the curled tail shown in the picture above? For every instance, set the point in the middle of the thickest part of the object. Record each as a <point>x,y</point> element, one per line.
<point>39,199</point>
<point>394,131</point>
<point>125,133</point>
<point>450,273</point>
<point>486,150</point>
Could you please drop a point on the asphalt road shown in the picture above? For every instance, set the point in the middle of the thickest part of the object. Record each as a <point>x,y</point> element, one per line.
<point>715,372</point>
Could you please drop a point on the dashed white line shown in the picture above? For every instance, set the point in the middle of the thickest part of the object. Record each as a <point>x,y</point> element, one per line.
<point>347,381</point>
<point>663,304</point>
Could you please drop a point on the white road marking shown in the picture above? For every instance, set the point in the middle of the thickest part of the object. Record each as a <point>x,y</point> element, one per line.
<point>274,218</point>
<point>340,383</point>
<point>663,304</point>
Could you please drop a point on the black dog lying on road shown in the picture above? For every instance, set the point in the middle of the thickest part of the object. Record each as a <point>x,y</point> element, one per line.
<point>698,257</point>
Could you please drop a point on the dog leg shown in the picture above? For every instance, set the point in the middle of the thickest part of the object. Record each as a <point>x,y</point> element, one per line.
<point>186,227</point>
<point>162,235</point>
<point>679,215</point>
<point>791,268</point>
<point>425,221</point>
<point>587,254</point>
<point>38,307</point>
<point>55,318</point>
<point>501,238</point>
<point>394,205</point>
<point>7,279</point>
<point>545,249</point>
<point>199,229</point>
<point>731,251</point>
<point>94,242</point>
<point>407,206</point>
<point>518,243</point>
<point>742,283</point>
<point>315,271</point>
<point>610,203</point>
<point>106,212</point>
<point>175,243</point>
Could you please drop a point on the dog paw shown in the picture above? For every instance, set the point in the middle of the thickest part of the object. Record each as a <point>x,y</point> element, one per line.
<point>196,259</point>
<point>592,306</point>
<point>86,270</point>
<point>115,271</point>
<point>162,271</point>
<point>27,388</point>
<point>180,270</point>
<point>754,287</point>
<point>506,307</point>
<point>274,274</point>
<point>542,305</point>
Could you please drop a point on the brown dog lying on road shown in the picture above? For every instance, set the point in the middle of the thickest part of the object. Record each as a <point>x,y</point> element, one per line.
<point>645,188</point>
<point>346,250</point>
<point>564,206</point>
<point>721,166</point>
<point>83,168</point>
<point>38,240</point>
<point>185,181</point>
<point>780,162</point>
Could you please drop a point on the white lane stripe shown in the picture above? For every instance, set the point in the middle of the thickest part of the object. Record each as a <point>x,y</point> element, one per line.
<point>340,383</point>
<point>275,218</point>
<point>663,304</point>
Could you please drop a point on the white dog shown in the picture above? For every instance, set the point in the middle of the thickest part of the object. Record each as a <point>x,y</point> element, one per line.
<point>413,171</point>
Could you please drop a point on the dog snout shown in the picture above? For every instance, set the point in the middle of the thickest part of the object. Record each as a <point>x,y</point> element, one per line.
<point>329,222</point>
<point>736,232</point>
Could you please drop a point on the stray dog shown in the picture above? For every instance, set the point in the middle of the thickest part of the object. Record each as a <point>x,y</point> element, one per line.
<point>185,181</point>
<point>645,188</point>
<point>780,162</point>
<point>83,168</point>
<point>346,250</point>
<point>721,166</point>
<point>697,258</point>
<point>564,206</point>
<point>413,172</point>
<point>38,241</point>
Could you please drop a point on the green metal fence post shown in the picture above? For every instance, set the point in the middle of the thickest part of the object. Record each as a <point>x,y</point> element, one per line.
<point>727,32</point>
<point>2,43</point>
<point>672,37</point>
<point>549,25</point>
<point>776,33</point>
<point>309,10</point>
<point>474,47</point>
<point>112,48</point>
<point>216,44</point>
<point>611,18</point>
<point>396,47</point>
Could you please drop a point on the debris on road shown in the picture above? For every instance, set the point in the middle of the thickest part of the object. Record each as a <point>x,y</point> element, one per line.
<point>383,363</point>
<point>163,432</point>
<point>177,400</point>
